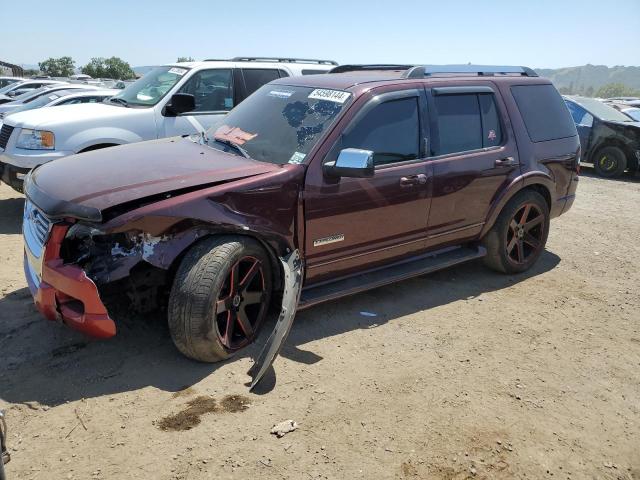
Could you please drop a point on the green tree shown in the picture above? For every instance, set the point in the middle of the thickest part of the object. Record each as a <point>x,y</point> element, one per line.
<point>185,59</point>
<point>113,67</point>
<point>31,72</point>
<point>616,90</point>
<point>58,67</point>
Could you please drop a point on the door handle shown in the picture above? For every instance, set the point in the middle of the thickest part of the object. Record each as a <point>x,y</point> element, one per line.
<point>506,162</point>
<point>412,180</point>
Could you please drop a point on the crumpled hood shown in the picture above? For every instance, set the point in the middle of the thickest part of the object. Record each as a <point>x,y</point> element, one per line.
<point>92,181</point>
<point>49,118</point>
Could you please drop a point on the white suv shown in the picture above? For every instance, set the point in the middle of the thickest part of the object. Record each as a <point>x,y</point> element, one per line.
<point>175,99</point>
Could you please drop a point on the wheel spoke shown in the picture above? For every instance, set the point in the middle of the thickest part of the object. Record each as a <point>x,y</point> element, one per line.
<point>533,223</point>
<point>513,225</point>
<point>531,240</point>
<point>245,324</point>
<point>234,279</point>
<point>221,306</point>
<point>525,214</point>
<point>248,278</point>
<point>251,298</point>
<point>520,251</point>
<point>229,329</point>
<point>512,244</point>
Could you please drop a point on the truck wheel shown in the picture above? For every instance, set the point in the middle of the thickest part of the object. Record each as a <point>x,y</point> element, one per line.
<point>519,235</point>
<point>610,162</point>
<point>220,297</point>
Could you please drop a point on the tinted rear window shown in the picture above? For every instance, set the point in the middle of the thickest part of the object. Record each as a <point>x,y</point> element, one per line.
<point>544,113</point>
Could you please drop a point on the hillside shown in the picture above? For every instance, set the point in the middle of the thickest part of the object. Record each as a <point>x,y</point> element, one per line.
<point>587,79</point>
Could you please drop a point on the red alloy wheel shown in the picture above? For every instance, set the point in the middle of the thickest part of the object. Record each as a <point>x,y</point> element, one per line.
<point>241,306</point>
<point>525,234</point>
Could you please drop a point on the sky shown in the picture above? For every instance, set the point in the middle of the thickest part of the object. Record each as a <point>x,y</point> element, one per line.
<point>536,33</point>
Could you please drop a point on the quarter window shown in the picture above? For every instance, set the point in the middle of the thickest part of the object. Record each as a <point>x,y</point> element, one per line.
<point>391,130</point>
<point>580,115</point>
<point>212,90</point>
<point>254,78</point>
<point>466,122</point>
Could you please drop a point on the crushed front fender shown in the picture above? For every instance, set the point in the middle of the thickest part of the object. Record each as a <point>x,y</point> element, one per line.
<point>293,270</point>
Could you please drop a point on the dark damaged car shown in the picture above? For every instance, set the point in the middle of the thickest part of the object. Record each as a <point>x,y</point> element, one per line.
<point>610,139</point>
<point>313,188</point>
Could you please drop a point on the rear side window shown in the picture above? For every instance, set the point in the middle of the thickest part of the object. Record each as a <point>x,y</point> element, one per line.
<point>311,71</point>
<point>466,122</point>
<point>390,130</point>
<point>254,78</point>
<point>545,114</point>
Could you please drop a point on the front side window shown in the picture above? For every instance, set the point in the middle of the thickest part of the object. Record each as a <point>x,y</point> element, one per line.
<point>254,78</point>
<point>390,130</point>
<point>150,89</point>
<point>212,89</point>
<point>279,123</point>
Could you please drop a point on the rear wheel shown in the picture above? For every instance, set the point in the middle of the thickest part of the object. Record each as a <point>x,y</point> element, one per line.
<point>610,162</point>
<point>519,235</point>
<point>220,297</point>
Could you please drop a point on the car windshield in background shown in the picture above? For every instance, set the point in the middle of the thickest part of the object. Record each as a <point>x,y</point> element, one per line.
<point>634,113</point>
<point>279,123</point>
<point>9,87</point>
<point>149,90</point>
<point>41,101</point>
<point>602,111</point>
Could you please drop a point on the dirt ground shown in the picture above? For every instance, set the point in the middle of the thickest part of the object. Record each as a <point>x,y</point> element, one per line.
<point>460,374</point>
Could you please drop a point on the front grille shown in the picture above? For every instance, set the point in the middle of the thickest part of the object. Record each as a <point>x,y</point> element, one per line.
<point>35,228</point>
<point>5,133</point>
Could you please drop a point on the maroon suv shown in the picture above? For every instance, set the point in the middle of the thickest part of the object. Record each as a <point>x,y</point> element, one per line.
<point>313,188</point>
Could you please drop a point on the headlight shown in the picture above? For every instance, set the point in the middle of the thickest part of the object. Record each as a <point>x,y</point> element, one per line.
<point>36,140</point>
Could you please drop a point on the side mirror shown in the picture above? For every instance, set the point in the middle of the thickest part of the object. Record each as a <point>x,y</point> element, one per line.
<point>181,103</point>
<point>351,162</point>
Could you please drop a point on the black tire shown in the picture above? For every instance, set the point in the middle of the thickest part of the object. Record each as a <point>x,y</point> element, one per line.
<point>610,162</point>
<point>204,275</point>
<point>499,241</point>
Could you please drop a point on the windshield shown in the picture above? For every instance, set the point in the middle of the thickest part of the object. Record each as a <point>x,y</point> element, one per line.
<point>634,113</point>
<point>602,111</point>
<point>10,87</point>
<point>149,90</point>
<point>279,123</point>
<point>41,101</point>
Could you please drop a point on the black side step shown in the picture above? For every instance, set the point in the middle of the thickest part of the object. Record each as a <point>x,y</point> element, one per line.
<point>396,272</point>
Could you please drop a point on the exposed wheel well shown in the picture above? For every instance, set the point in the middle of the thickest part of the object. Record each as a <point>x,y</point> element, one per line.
<point>97,147</point>
<point>542,190</point>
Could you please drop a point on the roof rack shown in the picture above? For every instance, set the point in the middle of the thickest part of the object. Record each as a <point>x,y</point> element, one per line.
<point>480,70</point>
<point>283,60</point>
<point>373,67</point>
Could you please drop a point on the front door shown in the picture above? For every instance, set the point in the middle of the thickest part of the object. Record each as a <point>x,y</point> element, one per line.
<point>474,158</point>
<point>356,222</point>
<point>213,90</point>
<point>584,123</point>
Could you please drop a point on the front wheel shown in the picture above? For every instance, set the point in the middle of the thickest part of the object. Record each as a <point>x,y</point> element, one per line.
<point>220,297</point>
<point>610,162</point>
<point>517,239</point>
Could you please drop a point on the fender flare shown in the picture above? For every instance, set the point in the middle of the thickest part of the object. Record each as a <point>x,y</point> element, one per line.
<point>528,180</point>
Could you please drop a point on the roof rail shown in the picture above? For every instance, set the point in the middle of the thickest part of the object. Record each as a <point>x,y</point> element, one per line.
<point>284,60</point>
<point>480,70</point>
<point>372,67</point>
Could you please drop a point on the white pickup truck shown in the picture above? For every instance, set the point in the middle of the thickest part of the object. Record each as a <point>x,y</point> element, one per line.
<point>175,99</point>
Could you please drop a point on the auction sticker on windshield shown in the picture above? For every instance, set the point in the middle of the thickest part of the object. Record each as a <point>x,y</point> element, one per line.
<point>337,96</point>
<point>280,93</point>
<point>178,71</point>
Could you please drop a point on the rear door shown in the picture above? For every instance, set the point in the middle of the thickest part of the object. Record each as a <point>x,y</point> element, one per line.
<point>474,157</point>
<point>356,222</point>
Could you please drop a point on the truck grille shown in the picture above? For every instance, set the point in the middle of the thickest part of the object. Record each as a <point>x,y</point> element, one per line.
<point>5,133</point>
<point>35,228</point>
